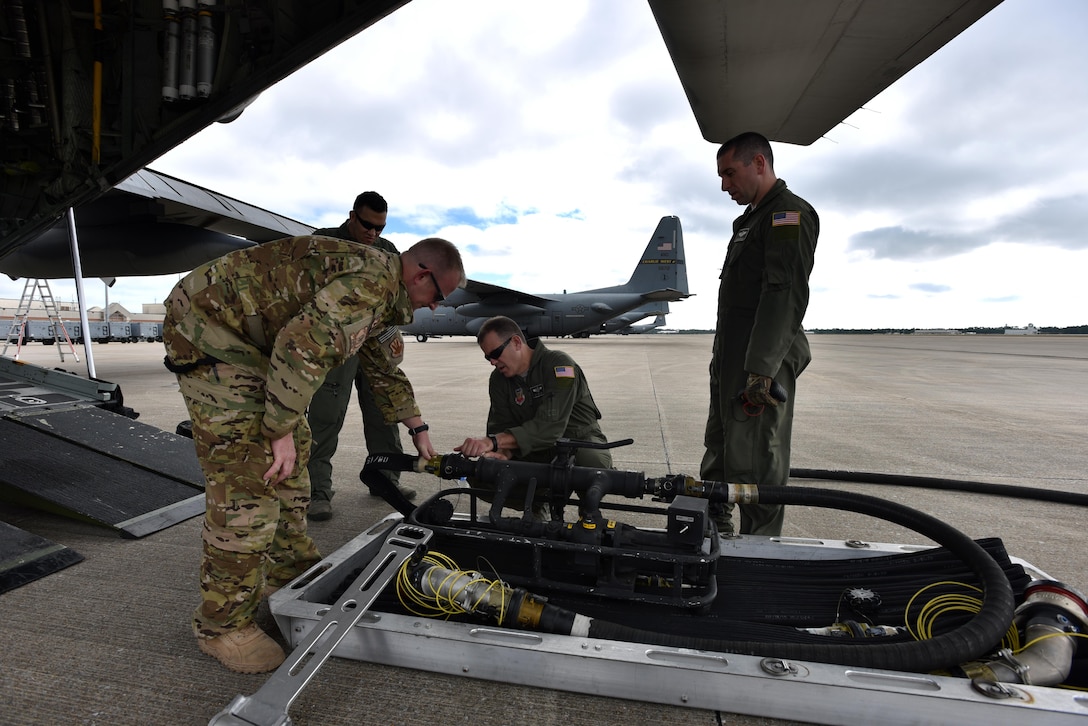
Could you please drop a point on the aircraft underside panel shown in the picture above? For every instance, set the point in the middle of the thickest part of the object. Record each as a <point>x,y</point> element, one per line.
<point>93,93</point>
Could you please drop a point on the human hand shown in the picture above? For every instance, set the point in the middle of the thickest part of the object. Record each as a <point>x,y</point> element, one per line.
<point>422,442</point>
<point>284,457</point>
<point>473,447</point>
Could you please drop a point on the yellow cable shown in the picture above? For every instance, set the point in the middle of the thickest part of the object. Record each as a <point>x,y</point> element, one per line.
<point>949,603</point>
<point>438,605</point>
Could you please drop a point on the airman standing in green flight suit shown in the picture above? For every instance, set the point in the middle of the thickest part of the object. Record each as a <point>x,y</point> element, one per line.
<point>759,339</point>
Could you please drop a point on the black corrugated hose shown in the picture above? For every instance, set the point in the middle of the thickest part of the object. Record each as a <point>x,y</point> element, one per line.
<point>959,485</point>
<point>974,639</point>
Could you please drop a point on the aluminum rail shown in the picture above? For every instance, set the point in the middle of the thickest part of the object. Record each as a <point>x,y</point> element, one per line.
<point>268,706</point>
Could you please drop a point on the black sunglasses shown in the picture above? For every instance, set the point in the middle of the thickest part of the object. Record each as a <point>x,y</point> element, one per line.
<point>497,353</point>
<point>370,226</point>
<point>439,297</point>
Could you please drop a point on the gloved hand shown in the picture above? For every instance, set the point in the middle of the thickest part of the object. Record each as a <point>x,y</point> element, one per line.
<point>758,391</point>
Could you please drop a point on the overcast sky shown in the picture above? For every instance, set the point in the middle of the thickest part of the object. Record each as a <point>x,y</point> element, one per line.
<point>546,139</point>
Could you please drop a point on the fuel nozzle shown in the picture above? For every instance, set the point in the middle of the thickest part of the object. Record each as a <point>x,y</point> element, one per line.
<point>445,466</point>
<point>432,465</point>
<point>433,590</point>
<point>448,466</point>
<point>667,488</point>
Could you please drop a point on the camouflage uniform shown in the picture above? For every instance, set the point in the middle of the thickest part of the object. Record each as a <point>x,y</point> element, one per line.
<point>329,406</point>
<point>551,402</point>
<point>761,302</point>
<point>251,336</point>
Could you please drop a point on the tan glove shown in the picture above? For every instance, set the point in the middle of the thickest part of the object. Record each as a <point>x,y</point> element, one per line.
<point>758,391</point>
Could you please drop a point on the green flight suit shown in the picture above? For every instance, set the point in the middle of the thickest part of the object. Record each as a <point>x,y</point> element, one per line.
<point>329,406</point>
<point>251,336</point>
<point>551,402</point>
<point>761,302</point>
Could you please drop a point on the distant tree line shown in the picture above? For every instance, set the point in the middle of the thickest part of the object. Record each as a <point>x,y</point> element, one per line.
<point>1073,330</point>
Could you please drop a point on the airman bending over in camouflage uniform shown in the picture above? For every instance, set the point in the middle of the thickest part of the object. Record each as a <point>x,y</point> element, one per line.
<point>329,406</point>
<point>537,397</point>
<point>251,336</point>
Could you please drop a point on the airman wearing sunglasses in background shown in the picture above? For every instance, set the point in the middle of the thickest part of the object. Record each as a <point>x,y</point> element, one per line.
<point>330,404</point>
<point>538,395</point>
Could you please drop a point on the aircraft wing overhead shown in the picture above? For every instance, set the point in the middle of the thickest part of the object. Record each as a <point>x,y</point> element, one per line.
<point>793,69</point>
<point>149,224</point>
<point>196,206</point>
<point>485,292</point>
<point>68,139</point>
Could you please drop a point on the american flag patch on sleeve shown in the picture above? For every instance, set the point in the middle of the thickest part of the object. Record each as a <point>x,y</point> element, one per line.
<point>779,219</point>
<point>564,371</point>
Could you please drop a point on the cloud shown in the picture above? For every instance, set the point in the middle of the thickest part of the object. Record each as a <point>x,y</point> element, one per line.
<point>1057,221</point>
<point>1048,221</point>
<point>899,243</point>
<point>929,287</point>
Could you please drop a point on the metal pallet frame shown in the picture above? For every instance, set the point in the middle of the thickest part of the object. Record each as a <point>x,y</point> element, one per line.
<point>768,687</point>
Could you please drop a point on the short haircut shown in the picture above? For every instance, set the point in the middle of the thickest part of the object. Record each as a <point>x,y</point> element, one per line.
<point>439,256</point>
<point>371,200</point>
<point>501,326</point>
<point>745,147</point>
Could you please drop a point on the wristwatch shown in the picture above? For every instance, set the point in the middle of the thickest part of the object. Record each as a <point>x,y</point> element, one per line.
<point>494,442</point>
<point>419,429</point>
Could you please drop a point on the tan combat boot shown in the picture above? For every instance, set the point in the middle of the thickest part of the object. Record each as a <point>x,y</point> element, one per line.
<point>246,650</point>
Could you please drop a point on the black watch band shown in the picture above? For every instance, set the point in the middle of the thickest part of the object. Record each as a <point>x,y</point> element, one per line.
<point>419,429</point>
<point>494,442</point>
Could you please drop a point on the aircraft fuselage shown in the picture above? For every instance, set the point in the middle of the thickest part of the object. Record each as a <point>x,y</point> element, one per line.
<point>580,311</point>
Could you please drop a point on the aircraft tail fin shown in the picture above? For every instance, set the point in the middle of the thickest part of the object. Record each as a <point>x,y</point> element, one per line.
<point>662,265</point>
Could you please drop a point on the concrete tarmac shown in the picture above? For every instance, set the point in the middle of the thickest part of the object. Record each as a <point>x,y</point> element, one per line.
<point>108,640</point>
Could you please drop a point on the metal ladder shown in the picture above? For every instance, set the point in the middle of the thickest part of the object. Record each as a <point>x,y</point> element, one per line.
<point>40,288</point>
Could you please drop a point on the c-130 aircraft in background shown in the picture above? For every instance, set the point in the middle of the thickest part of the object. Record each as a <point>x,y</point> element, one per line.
<point>659,277</point>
